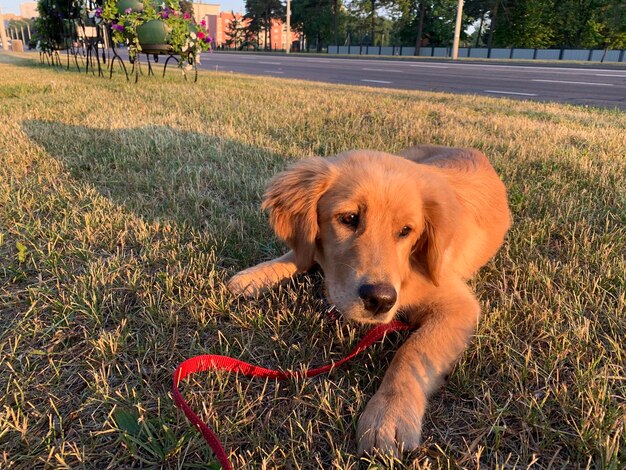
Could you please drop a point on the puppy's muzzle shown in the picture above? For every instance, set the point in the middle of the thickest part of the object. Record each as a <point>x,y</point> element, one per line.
<point>378,298</point>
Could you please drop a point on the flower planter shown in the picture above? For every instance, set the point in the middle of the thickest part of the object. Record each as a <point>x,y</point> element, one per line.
<point>134,5</point>
<point>153,37</point>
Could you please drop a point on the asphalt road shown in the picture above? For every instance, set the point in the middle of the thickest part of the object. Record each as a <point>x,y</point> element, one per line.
<point>592,86</point>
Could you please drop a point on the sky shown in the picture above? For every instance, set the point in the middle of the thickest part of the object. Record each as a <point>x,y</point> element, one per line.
<point>13,6</point>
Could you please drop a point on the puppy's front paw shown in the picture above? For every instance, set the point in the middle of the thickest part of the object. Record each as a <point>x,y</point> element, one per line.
<point>391,422</point>
<point>246,283</point>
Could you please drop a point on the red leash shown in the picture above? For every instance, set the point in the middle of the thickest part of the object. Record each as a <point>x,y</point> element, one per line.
<point>215,362</point>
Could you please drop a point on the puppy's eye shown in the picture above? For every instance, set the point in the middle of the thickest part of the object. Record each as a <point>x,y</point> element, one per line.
<point>350,219</point>
<point>405,231</point>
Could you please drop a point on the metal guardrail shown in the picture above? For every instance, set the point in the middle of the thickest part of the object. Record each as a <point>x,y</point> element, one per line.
<point>586,55</point>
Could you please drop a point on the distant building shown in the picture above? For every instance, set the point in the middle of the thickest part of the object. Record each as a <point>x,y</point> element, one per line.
<point>218,25</point>
<point>222,26</point>
<point>277,36</point>
<point>29,10</point>
<point>203,10</point>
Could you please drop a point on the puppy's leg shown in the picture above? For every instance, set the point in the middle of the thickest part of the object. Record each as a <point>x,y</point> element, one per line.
<point>392,420</point>
<point>252,281</point>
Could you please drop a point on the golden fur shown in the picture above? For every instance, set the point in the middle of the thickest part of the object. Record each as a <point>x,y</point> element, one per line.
<point>394,234</point>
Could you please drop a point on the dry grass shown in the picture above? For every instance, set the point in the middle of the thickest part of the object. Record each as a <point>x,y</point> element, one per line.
<point>124,208</point>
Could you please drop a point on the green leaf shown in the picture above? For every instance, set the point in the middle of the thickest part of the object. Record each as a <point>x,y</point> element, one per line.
<point>127,420</point>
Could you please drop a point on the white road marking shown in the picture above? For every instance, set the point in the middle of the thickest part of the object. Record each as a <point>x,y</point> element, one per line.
<point>575,83</point>
<point>510,93</point>
<point>376,81</point>
<point>272,71</point>
<point>530,68</point>
<point>384,70</point>
<point>411,63</point>
<point>269,63</point>
<point>607,75</point>
<point>429,66</point>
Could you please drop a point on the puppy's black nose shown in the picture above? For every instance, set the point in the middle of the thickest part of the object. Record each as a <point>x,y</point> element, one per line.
<point>378,298</point>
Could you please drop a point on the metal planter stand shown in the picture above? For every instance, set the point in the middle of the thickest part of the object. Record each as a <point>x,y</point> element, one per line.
<point>156,53</point>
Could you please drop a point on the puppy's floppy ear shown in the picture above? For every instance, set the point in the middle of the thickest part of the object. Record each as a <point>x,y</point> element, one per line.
<point>291,199</point>
<point>441,211</point>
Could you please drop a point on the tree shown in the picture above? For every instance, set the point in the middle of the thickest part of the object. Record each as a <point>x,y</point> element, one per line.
<point>260,14</point>
<point>590,23</point>
<point>526,23</point>
<point>609,26</point>
<point>316,20</point>
<point>433,20</point>
<point>236,32</point>
<point>498,23</point>
<point>557,23</point>
<point>369,10</point>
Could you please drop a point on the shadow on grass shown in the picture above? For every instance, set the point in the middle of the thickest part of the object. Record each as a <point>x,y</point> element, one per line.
<point>30,61</point>
<point>166,304</point>
<point>160,173</point>
<point>35,61</point>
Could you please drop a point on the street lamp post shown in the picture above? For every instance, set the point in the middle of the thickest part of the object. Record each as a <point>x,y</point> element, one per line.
<point>457,31</point>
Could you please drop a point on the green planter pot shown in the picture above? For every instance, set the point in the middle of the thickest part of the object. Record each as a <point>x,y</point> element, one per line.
<point>153,36</point>
<point>134,5</point>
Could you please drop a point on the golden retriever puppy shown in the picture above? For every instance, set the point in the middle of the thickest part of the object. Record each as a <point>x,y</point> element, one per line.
<point>393,234</point>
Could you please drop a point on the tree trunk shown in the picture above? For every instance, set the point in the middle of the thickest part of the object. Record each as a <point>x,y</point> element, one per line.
<point>480,30</point>
<point>420,28</point>
<point>492,26</point>
<point>606,48</point>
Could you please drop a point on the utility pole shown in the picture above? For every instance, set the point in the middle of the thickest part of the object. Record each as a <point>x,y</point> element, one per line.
<point>288,26</point>
<point>457,31</point>
<point>3,33</point>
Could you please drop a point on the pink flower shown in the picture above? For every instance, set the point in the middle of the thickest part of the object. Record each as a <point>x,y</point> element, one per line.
<point>128,11</point>
<point>200,35</point>
<point>187,16</point>
<point>203,23</point>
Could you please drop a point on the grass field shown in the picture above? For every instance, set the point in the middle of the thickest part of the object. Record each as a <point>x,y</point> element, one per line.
<point>124,209</point>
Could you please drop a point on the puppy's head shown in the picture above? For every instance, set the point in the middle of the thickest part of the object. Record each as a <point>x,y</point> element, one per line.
<point>373,222</point>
